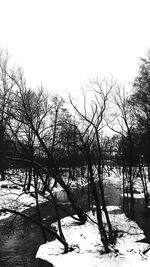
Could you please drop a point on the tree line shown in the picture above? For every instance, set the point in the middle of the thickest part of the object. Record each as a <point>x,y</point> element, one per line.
<point>55,144</point>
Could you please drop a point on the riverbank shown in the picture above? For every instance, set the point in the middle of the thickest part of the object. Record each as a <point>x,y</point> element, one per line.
<point>88,250</point>
<point>85,239</point>
<point>13,197</point>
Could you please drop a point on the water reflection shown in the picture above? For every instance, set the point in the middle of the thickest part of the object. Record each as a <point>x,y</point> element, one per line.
<point>21,238</point>
<point>18,247</point>
<point>140,214</point>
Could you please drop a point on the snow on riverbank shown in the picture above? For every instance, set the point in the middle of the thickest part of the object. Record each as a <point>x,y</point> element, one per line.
<point>12,196</point>
<point>85,238</point>
<point>88,250</point>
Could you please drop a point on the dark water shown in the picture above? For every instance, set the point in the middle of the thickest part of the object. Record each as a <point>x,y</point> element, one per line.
<point>141,215</point>
<point>18,247</point>
<point>20,239</point>
<point>137,212</point>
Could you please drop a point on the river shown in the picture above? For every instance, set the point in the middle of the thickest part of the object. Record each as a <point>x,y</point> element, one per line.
<point>19,245</point>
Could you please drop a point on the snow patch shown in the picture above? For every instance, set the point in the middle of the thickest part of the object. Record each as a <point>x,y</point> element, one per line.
<point>88,248</point>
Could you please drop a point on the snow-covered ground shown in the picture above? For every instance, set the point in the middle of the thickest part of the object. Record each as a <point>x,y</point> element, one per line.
<point>14,199</point>
<point>88,250</point>
<point>85,238</point>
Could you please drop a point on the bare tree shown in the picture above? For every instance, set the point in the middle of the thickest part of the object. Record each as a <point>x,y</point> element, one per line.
<point>122,122</point>
<point>6,86</point>
<point>90,129</point>
<point>32,110</point>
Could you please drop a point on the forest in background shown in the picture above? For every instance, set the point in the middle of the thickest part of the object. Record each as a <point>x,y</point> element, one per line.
<point>55,141</point>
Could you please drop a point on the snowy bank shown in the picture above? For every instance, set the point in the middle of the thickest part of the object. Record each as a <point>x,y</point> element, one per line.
<point>88,250</point>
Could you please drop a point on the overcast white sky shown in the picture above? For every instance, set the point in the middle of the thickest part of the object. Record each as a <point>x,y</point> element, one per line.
<point>63,43</point>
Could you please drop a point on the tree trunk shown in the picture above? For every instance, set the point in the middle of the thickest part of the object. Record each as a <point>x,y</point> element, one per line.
<point>2,174</point>
<point>56,175</point>
<point>144,183</point>
<point>148,167</point>
<point>38,209</point>
<point>101,227</point>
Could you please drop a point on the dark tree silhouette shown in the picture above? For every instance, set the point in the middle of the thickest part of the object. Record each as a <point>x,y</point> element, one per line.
<point>140,100</point>
<point>90,127</point>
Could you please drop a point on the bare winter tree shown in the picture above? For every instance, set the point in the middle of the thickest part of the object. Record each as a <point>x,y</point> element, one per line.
<point>91,119</point>
<point>6,86</point>
<point>33,124</point>
<point>122,122</point>
<point>33,110</point>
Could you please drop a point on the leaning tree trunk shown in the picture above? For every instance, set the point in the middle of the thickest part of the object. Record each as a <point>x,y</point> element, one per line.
<point>102,187</point>
<point>104,238</point>
<point>56,175</point>
<point>2,172</point>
